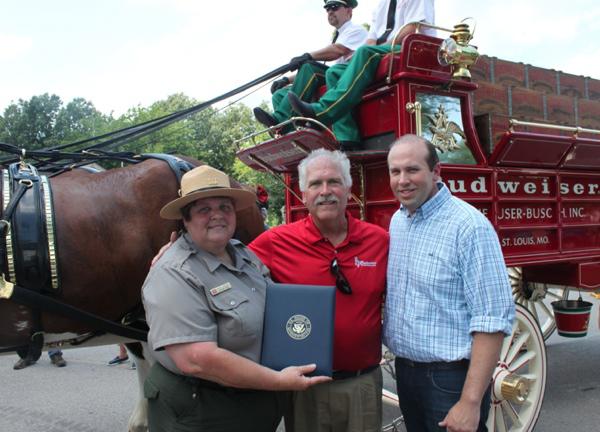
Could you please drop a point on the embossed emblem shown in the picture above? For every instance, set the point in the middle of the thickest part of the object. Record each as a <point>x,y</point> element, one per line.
<point>443,131</point>
<point>298,327</point>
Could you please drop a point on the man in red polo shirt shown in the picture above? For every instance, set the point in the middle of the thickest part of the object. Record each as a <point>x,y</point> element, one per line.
<point>330,247</point>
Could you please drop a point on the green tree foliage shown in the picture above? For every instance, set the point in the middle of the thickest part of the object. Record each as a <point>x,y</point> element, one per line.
<point>208,135</point>
<point>43,121</point>
<point>78,120</point>
<point>218,146</point>
<point>175,138</point>
<point>30,124</point>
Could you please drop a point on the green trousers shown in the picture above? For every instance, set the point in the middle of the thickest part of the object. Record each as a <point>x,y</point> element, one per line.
<point>339,100</point>
<point>345,128</point>
<point>309,78</point>
<point>179,404</point>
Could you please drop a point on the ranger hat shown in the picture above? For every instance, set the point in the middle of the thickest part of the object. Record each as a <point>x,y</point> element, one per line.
<point>206,182</point>
<point>347,3</point>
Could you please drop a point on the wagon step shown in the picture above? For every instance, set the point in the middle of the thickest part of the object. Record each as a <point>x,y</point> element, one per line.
<point>282,154</point>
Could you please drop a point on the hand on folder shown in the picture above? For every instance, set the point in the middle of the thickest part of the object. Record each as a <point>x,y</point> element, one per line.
<point>293,377</point>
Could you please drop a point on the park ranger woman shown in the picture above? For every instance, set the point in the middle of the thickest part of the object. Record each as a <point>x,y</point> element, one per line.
<point>204,301</point>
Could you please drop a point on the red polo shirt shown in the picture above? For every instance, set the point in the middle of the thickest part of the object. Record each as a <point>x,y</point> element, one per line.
<point>298,253</point>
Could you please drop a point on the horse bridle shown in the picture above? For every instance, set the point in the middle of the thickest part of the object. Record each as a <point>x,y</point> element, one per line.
<point>30,294</point>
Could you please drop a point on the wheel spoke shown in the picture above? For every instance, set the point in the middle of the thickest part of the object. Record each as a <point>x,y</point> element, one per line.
<point>516,347</point>
<point>546,310</point>
<point>531,377</point>
<point>508,408</point>
<point>515,273</point>
<point>526,405</point>
<point>533,309</point>
<point>496,417</point>
<point>500,420</point>
<point>554,295</point>
<point>521,361</point>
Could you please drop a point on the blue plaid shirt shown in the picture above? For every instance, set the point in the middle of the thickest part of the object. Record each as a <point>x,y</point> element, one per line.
<point>446,279</point>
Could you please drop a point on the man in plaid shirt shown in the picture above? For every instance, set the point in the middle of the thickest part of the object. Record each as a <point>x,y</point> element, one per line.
<point>448,302</point>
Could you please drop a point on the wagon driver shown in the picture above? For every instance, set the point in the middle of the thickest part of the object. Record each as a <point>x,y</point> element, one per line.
<point>204,301</point>
<point>392,21</point>
<point>347,37</point>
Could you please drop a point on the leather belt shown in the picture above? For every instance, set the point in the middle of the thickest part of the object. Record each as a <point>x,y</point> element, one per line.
<point>341,374</point>
<point>439,365</point>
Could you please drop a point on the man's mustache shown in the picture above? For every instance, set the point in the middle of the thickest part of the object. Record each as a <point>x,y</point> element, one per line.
<point>327,198</point>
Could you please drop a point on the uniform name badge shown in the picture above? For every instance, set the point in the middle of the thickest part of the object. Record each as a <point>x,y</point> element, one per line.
<point>219,289</point>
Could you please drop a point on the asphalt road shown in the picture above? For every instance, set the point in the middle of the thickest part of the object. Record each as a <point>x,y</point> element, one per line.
<point>89,396</point>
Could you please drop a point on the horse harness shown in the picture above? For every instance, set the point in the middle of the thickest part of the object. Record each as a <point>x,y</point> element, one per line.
<point>28,248</point>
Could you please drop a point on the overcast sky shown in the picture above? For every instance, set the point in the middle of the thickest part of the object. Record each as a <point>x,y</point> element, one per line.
<point>121,53</point>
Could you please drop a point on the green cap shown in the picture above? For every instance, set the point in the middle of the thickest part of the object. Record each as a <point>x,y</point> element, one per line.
<point>347,3</point>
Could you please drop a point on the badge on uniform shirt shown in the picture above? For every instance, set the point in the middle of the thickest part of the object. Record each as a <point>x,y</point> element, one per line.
<point>219,289</point>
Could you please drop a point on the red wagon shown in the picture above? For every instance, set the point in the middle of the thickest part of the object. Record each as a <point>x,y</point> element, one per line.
<point>520,143</point>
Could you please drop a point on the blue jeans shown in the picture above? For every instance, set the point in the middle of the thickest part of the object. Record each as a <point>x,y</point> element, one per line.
<point>427,392</point>
<point>53,352</point>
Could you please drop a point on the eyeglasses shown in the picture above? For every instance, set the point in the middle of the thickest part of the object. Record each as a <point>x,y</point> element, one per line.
<point>332,7</point>
<point>341,282</point>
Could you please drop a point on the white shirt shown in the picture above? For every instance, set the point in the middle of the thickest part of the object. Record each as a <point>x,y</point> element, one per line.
<point>351,36</point>
<point>407,11</point>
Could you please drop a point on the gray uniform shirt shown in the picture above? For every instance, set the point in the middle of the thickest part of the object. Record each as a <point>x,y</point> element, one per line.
<point>191,296</point>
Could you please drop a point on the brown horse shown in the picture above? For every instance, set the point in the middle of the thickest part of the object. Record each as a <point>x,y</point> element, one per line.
<point>108,229</point>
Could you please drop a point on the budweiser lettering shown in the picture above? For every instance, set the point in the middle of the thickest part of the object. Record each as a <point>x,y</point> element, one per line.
<point>528,186</point>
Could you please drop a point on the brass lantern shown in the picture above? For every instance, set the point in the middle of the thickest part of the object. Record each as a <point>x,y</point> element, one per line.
<point>457,52</point>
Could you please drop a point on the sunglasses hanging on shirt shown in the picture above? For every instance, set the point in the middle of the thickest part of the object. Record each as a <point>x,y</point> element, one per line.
<point>341,282</point>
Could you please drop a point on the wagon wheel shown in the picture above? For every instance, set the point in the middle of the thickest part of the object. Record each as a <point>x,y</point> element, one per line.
<point>519,380</point>
<point>532,295</point>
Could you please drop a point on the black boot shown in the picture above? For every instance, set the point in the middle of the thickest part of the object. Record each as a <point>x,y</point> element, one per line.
<point>264,117</point>
<point>301,107</point>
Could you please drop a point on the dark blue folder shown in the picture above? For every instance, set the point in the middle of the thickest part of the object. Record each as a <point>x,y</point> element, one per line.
<point>298,327</point>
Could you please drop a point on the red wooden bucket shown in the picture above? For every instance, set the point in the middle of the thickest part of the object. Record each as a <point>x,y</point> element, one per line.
<point>572,317</point>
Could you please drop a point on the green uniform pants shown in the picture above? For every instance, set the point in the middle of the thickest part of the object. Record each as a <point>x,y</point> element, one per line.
<point>339,100</point>
<point>308,79</point>
<point>180,404</point>
<point>345,128</point>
